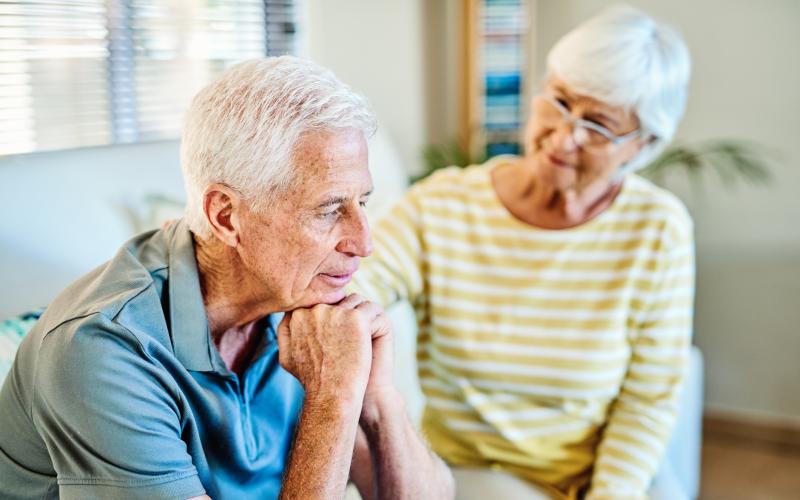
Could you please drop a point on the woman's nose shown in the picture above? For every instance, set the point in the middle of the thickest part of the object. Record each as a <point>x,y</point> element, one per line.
<point>563,137</point>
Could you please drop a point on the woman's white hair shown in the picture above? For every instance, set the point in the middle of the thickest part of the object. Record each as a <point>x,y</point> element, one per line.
<point>241,129</point>
<point>624,58</point>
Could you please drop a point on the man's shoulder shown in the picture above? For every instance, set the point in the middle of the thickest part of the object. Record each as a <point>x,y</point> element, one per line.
<point>135,267</point>
<point>102,300</point>
<point>101,339</point>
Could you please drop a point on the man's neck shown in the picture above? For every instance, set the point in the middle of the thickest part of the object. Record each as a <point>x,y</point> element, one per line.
<point>237,346</point>
<point>233,306</point>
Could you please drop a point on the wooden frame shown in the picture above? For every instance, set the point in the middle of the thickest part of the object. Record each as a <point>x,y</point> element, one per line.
<point>472,133</point>
<point>469,119</point>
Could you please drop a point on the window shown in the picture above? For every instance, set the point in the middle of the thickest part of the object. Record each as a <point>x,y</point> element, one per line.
<point>90,72</point>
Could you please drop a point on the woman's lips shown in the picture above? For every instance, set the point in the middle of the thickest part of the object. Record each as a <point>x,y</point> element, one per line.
<point>555,160</point>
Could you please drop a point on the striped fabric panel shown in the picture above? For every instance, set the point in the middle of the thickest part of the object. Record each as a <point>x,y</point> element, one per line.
<point>12,332</point>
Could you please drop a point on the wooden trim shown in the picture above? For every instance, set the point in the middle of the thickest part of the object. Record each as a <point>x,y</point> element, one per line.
<point>748,430</point>
<point>469,54</point>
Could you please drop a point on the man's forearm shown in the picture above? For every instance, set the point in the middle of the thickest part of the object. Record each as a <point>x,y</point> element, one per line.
<point>320,459</point>
<point>403,465</point>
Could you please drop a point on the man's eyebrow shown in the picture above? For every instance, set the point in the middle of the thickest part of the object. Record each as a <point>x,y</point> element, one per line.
<point>334,200</point>
<point>338,200</point>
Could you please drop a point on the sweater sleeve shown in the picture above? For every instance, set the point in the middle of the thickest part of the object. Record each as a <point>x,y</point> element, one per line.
<point>642,417</point>
<point>394,271</point>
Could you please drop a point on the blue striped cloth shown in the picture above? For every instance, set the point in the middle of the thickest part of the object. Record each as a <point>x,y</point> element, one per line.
<point>11,333</point>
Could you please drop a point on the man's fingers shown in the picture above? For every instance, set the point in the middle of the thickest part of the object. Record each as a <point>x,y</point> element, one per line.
<point>381,326</point>
<point>370,309</point>
<point>352,301</point>
<point>379,323</point>
<point>283,332</point>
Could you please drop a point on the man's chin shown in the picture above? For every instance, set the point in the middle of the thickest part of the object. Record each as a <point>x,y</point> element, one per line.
<point>330,298</point>
<point>335,297</point>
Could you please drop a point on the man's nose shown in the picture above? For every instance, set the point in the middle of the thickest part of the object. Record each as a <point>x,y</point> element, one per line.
<point>357,239</point>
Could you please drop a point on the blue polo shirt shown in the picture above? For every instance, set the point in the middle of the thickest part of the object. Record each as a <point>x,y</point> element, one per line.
<point>119,392</point>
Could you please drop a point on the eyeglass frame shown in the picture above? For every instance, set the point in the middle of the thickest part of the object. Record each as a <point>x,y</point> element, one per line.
<point>575,122</point>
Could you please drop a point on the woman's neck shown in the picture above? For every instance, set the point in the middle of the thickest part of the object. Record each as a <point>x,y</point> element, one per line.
<point>548,207</point>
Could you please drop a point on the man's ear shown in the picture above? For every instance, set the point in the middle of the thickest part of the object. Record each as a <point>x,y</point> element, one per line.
<point>222,207</point>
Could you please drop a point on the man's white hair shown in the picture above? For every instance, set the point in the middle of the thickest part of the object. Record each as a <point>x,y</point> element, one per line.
<point>624,58</point>
<point>241,130</point>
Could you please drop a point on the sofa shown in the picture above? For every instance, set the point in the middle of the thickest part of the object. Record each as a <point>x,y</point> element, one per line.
<point>679,475</point>
<point>78,206</point>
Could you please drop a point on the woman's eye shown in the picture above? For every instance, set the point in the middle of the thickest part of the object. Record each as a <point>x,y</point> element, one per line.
<point>562,102</point>
<point>595,134</point>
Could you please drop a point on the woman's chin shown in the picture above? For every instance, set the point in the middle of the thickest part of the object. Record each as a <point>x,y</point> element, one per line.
<point>558,178</point>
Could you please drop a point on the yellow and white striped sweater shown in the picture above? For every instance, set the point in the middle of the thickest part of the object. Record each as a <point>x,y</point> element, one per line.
<point>552,354</point>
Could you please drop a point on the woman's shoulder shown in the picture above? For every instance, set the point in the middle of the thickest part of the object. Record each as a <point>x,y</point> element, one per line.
<point>656,204</point>
<point>471,177</point>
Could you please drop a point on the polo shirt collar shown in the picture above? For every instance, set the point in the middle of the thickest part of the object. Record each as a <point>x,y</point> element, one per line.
<point>191,337</point>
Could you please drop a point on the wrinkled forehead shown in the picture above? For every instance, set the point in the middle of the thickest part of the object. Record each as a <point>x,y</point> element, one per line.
<point>331,162</point>
<point>329,147</point>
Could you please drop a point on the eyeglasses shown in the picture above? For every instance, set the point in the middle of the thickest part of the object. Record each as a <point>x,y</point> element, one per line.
<point>596,135</point>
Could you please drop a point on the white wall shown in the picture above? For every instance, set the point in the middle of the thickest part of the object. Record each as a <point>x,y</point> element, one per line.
<point>376,46</point>
<point>746,76</point>
<point>68,211</point>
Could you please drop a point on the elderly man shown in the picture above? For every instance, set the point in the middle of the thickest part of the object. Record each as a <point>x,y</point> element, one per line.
<point>171,372</point>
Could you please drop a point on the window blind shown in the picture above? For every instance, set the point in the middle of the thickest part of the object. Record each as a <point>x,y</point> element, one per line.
<point>79,73</point>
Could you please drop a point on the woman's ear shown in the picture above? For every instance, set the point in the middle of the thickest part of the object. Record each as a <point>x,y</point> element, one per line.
<point>222,206</point>
<point>644,141</point>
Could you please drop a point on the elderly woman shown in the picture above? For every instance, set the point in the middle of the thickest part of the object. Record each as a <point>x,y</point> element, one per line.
<point>554,291</point>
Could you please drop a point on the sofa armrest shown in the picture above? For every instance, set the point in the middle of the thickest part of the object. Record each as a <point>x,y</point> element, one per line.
<point>682,458</point>
<point>681,463</point>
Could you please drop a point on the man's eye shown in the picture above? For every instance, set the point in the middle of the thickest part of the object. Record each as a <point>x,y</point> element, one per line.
<point>363,204</point>
<point>328,215</point>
